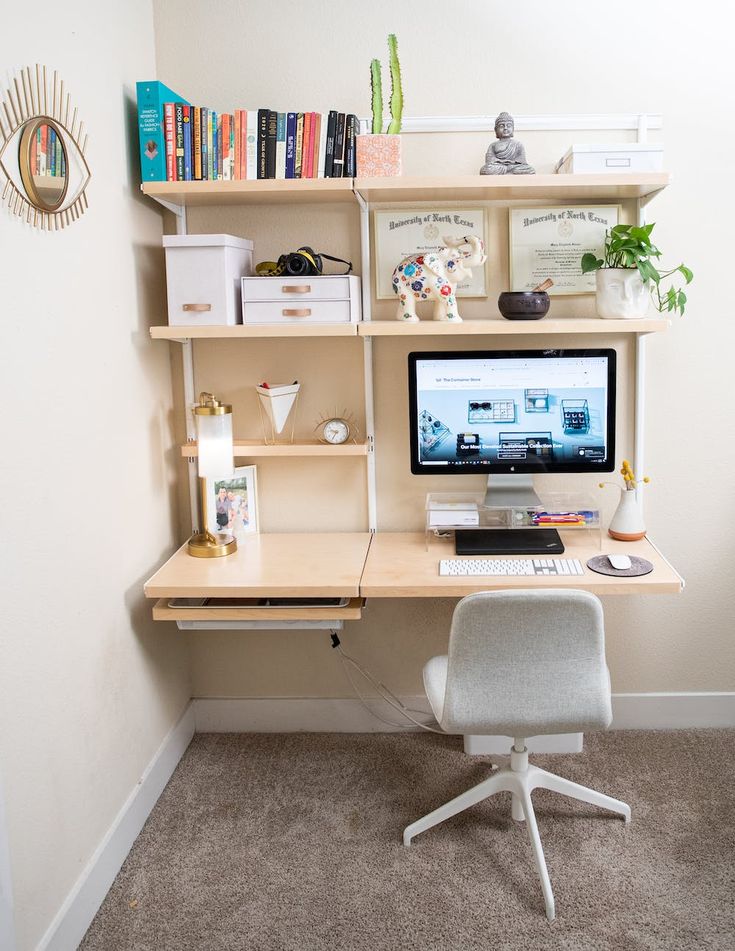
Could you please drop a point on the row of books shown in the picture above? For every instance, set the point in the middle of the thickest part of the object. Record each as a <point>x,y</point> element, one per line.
<point>47,154</point>
<point>182,142</point>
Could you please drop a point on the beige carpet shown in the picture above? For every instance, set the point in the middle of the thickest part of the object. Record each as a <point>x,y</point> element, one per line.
<point>292,841</point>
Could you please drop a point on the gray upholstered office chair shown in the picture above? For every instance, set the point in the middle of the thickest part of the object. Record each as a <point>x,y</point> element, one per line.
<point>522,663</point>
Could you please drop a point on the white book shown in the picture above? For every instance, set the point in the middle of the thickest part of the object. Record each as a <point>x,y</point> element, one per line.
<point>322,145</point>
<point>453,517</point>
<point>251,155</point>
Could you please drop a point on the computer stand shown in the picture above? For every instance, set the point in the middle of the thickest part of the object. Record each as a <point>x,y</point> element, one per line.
<point>513,491</point>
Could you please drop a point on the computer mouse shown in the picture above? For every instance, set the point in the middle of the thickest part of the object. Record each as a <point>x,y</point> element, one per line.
<point>619,562</point>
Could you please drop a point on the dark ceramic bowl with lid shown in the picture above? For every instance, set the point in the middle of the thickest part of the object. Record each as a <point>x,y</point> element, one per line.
<point>524,305</point>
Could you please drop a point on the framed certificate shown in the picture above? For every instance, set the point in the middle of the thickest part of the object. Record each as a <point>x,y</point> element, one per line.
<point>401,232</point>
<point>550,242</point>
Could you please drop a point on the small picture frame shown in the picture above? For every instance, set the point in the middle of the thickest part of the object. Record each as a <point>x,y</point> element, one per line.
<point>232,503</point>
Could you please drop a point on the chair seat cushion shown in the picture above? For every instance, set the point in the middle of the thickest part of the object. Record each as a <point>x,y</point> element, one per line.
<point>435,683</point>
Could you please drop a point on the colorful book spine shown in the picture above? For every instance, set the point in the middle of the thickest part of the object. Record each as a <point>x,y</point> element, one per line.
<point>323,122</point>
<point>179,139</point>
<point>281,145</point>
<point>196,126</point>
<point>43,170</point>
<point>339,146</point>
<point>270,151</point>
<point>262,142</point>
<point>212,145</point>
<point>243,143</point>
<point>251,156</point>
<point>219,147</point>
<point>238,161</point>
<point>306,147</point>
<point>298,168</point>
<point>232,148</point>
<point>52,153</point>
<point>316,135</point>
<point>170,140</point>
<point>226,119</point>
<point>350,161</point>
<point>187,144</point>
<point>152,97</point>
<point>290,144</point>
<point>329,155</point>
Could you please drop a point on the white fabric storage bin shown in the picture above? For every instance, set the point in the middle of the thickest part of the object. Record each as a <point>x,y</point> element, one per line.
<point>203,273</point>
<point>320,299</point>
<point>603,157</point>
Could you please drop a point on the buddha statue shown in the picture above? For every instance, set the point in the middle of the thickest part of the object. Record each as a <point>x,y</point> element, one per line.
<point>506,156</point>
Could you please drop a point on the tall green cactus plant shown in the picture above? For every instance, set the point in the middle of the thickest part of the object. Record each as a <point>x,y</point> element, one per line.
<point>376,84</point>
<point>396,90</point>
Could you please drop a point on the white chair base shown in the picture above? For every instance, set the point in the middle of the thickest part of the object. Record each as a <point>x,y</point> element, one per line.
<point>520,779</point>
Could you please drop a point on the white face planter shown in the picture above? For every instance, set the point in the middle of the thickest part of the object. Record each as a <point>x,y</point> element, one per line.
<point>621,293</point>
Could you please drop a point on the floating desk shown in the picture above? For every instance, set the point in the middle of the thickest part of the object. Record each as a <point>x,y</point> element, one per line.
<point>358,565</point>
<point>399,566</point>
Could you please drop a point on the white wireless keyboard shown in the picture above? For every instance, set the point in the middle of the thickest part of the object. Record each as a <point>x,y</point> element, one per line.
<point>498,567</point>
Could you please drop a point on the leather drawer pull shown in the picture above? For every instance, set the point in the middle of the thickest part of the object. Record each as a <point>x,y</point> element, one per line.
<point>199,308</point>
<point>296,289</point>
<point>297,312</point>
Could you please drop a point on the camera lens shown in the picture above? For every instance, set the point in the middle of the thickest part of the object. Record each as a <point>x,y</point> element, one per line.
<point>297,264</point>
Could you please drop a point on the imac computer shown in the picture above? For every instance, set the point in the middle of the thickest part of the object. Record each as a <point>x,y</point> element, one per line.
<point>510,414</point>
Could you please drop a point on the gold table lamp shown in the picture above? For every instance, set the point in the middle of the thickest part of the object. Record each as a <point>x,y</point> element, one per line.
<point>215,461</point>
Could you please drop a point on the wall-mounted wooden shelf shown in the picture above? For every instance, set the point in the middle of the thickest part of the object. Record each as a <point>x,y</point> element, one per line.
<point>352,611</point>
<point>253,330</point>
<point>569,325</point>
<point>406,189</point>
<point>255,192</point>
<point>509,188</point>
<point>424,328</point>
<point>250,448</point>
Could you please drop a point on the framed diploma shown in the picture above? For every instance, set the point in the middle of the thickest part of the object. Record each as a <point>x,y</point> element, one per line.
<point>401,232</point>
<point>550,242</point>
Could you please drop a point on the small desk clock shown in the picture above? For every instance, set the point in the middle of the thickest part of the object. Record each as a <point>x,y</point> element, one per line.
<point>336,429</point>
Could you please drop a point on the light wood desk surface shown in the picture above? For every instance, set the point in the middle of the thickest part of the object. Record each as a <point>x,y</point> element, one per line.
<point>399,566</point>
<point>293,566</point>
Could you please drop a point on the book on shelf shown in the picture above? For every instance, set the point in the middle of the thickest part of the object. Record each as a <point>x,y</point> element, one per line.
<point>152,97</point>
<point>184,142</point>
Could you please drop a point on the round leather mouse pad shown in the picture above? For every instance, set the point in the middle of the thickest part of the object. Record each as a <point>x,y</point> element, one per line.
<point>638,566</point>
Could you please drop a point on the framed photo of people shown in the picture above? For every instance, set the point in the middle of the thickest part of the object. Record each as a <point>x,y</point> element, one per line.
<point>401,232</point>
<point>550,242</point>
<point>232,503</point>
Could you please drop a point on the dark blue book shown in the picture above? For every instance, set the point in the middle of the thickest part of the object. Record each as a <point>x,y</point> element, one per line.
<point>290,144</point>
<point>187,144</point>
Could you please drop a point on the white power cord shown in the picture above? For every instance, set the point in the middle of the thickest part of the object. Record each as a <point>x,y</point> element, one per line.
<point>383,692</point>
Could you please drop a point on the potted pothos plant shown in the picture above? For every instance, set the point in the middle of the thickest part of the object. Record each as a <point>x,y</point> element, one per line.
<point>378,152</point>
<point>628,275</point>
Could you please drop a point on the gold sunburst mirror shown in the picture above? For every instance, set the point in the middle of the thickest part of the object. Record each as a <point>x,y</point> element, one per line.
<point>42,146</point>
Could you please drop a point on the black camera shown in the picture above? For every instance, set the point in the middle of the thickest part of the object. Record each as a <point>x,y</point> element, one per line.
<point>303,262</point>
<point>300,263</point>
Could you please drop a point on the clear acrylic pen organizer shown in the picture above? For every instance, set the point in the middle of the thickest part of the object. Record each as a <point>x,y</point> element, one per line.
<point>448,511</point>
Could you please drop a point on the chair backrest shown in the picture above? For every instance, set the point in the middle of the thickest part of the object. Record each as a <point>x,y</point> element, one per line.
<point>527,662</point>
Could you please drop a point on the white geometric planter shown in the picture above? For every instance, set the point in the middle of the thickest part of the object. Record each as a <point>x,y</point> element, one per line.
<point>627,522</point>
<point>277,401</point>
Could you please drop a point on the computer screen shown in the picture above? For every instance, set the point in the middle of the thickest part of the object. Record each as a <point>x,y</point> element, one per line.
<point>512,411</point>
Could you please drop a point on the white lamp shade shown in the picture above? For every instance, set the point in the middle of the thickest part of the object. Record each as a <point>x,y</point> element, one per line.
<point>214,434</point>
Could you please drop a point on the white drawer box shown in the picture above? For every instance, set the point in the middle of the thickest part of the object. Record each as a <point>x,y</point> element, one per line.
<point>603,157</point>
<point>203,273</point>
<point>326,299</point>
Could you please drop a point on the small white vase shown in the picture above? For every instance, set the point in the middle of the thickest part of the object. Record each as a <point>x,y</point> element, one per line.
<point>621,293</point>
<point>627,522</point>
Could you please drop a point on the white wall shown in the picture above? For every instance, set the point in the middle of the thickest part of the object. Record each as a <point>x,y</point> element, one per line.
<point>477,58</point>
<point>88,685</point>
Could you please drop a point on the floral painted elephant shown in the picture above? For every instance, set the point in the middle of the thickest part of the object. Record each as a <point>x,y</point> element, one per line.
<point>435,277</point>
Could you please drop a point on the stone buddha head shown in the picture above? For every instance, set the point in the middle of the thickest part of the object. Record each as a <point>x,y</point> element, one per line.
<point>504,126</point>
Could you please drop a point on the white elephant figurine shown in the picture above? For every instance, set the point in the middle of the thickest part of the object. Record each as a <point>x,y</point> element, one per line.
<point>435,276</point>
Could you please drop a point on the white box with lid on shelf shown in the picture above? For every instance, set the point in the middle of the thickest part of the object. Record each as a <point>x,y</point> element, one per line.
<point>203,273</point>
<point>606,157</point>
<point>313,299</point>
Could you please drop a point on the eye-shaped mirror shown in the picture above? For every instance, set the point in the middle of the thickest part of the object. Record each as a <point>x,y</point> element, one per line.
<point>42,152</point>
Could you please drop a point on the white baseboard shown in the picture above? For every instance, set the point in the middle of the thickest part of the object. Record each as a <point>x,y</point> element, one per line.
<point>81,904</point>
<point>673,711</point>
<point>631,711</point>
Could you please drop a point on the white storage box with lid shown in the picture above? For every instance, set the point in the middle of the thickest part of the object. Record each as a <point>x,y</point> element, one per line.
<point>318,299</point>
<point>203,273</point>
<point>604,157</point>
